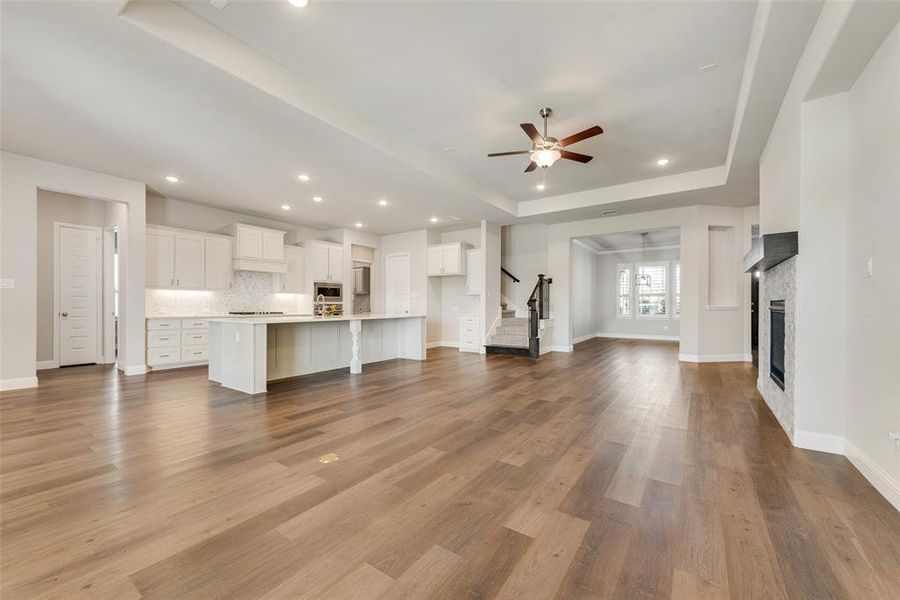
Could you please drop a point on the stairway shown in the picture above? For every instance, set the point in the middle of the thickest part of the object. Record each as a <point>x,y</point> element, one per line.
<point>510,337</point>
<point>505,312</point>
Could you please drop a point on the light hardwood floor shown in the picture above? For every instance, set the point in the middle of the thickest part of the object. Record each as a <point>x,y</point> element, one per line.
<point>611,472</point>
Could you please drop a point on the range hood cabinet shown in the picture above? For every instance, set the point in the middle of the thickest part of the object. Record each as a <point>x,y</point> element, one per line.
<point>770,250</point>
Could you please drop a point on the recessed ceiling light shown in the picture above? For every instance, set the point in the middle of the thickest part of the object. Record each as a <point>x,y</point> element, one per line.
<point>298,3</point>
<point>540,187</point>
<point>285,207</point>
<point>433,219</point>
<point>303,177</point>
<point>317,198</point>
<point>171,179</point>
<point>382,202</point>
<point>358,224</point>
<point>662,162</point>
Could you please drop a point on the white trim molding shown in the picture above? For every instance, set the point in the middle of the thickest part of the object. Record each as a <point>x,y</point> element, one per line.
<point>134,370</point>
<point>442,344</point>
<point>43,365</point>
<point>20,383</point>
<point>878,477</point>
<point>561,348</point>
<point>821,442</point>
<point>638,336</point>
<point>709,358</point>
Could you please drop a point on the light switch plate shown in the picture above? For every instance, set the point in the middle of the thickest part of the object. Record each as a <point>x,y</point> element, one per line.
<point>870,267</point>
<point>7,284</point>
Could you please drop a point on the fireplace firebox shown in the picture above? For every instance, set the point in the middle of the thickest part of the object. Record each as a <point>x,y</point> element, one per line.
<point>776,342</point>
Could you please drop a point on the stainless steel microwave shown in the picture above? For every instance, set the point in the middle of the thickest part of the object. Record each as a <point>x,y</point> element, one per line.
<point>331,291</point>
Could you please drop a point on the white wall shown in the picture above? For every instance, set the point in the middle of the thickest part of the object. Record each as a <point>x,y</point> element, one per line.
<point>415,243</point>
<point>52,208</point>
<point>21,178</point>
<point>608,323</point>
<point>873,230</point>
<point>584,292</point>
<point>491,250</point>
<point>524,254</point>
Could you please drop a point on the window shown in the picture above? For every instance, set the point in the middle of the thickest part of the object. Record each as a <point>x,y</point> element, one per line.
<point>652,289</point>
<point>623,291</point>
<point>677,278</point>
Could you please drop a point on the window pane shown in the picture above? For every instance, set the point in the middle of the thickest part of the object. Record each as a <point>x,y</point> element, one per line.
<point>623,306</point>
<point>678,288</point>
<point>652,290</point>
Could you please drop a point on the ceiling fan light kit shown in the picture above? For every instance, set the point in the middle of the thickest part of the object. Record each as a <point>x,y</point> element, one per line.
<point>546,150</point>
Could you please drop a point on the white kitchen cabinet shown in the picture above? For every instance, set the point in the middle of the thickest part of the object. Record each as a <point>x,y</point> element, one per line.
<point>189,260</point>
<point>181,259</point>
<point>257,248</point>
<point>447,259</point>
<point>273,245</point>
<point>292,281</point>
<point>469,334</point>
<point>175,343</point>
<point>218,273</point>
<point>159,269</point>
<point>474,273</point>
<point>325,261</point>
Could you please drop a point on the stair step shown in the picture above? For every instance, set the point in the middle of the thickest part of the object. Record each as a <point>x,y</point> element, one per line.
<point>514,321</point>
<point>505,350</point>
<point>508,314</point>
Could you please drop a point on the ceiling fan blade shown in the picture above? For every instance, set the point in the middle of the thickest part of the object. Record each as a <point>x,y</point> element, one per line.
<point>510,153</point>
<point>587,133</point>
<point>531,167</point>
<point>582,158</point>
<point>532,132</point>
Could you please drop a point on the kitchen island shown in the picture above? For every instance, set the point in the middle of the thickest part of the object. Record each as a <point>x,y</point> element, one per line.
<point>246,353</point>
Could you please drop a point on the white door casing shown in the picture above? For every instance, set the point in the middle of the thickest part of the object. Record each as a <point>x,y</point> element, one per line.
<point>78,285</point>
<point>397,284</point>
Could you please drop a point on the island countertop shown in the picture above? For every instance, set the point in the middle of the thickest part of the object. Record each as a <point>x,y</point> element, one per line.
<point>283,319</point>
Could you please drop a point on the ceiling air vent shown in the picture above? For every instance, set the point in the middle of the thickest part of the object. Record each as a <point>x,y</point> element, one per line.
<point>609,213</point>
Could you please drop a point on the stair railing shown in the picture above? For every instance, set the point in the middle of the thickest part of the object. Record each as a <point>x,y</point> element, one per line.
<point>510,275</point>
<point>538,308</point>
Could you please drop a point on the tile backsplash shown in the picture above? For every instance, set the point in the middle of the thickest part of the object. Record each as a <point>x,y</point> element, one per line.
<point>249,291</point>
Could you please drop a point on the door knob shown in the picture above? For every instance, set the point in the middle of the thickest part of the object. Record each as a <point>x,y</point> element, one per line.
<point>64,314</point>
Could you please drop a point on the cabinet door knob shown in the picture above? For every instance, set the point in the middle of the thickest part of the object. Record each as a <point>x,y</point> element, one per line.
<point>64,314</point>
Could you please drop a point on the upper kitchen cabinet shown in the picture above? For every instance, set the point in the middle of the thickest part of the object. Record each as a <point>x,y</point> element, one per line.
<point>257,248</point>
<point>325,261</point>
<point>474,272</point>
<point>447,259</point>
<point>176,258</point>
<point>292,281</point>
<point>218,275</point>
<point>159,267</point>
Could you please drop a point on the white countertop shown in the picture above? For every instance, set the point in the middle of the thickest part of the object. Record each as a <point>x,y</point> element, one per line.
<point>275,319</point>
<point>217,316</point>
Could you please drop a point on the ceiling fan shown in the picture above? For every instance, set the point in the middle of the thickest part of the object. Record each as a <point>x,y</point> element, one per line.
<point>546,150</point>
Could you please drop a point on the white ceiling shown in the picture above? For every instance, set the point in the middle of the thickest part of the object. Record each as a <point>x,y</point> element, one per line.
<point>670,236</point>
<point>420,93</point>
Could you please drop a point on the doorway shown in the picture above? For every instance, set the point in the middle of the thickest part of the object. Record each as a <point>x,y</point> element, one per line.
<point>78,294</point>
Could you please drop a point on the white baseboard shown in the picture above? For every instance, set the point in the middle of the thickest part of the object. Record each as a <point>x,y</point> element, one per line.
<point>878,477</point>
<point>821,442</point>
<point>584,338</point>
<point>638,336</point>
<point>561,348</point>
<point>19,383</point>
<point>441,345</point>
<point>710,358</point>
<point>43,365</point>
<point>134,370</point>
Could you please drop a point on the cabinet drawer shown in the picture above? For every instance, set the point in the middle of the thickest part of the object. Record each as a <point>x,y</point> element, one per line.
<point>468,320</point>
<point>163,324</point>
<point>194,324</point>
<point>163,339</point>
<point>194,353</point>
<point>163,356</point>
<point>194,337</point>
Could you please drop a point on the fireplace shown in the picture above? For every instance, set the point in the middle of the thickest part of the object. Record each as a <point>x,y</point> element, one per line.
<point>776,342</point>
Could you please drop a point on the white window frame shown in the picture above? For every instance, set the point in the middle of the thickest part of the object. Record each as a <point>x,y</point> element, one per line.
<point>630,267</point>
<point>667,292</point>
<point>676,289</point>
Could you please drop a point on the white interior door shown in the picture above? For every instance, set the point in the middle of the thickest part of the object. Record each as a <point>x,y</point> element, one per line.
<point>78,285</point>
<point>397,284</point>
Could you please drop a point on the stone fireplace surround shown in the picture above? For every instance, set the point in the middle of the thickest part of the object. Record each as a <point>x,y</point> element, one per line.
<point>779,283</point>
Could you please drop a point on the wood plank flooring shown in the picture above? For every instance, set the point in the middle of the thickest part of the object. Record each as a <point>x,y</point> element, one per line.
<point>611,472</point>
